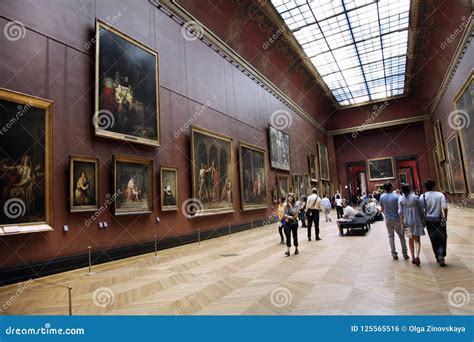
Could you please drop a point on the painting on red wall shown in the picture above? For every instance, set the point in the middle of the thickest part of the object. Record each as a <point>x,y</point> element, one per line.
<point>381,168</point>
<point>313,166</point>
<point>323,161</point>
<point>279,149</point>
<point>253,177</point>
<point>83,184</point>
<point>126,99</point>
<point>455,165</point>
<point>169,188</point>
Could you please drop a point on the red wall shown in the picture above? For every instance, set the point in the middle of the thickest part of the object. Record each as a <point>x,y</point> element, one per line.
<point>52,62</point>
<point>396,141</point>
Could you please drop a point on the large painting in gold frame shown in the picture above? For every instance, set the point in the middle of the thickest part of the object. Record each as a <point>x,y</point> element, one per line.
<point>212,173</point>
<point>438,134</point>
<point>455,164</point>
<point>464,103</point>
<point>133,185</point>
<point>26,187</point>
<point>127,88</point>
<point>381,168</point>
<point>313,166</point>
<point>253,177</point>
<point>323,162</point>
<point>83,183</point>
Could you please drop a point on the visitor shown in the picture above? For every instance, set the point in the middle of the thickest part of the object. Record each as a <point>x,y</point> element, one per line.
<point>348,215</point>
<point>313,206</point>
<point>291,224</point>
<point>339,209</point>
<point>281,214</point>
<point>301,208</point>
<point>389,202</point>
<point>436,215</point>
<point>412,220</point>
<point>326,205</point>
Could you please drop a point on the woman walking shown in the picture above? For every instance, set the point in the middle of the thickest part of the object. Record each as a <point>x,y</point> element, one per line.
<point>339,210</point>
<point>291,224</point>
<point>281,214</point>
<point>412,219</point>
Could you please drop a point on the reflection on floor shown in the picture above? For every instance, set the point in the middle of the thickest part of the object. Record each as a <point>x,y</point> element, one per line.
<point>248,274</point>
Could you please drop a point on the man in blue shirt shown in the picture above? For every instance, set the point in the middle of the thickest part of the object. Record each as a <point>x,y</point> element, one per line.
<point>389,202</point>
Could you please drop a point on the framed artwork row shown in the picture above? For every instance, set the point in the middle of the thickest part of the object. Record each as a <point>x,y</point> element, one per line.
<point>253,177</point>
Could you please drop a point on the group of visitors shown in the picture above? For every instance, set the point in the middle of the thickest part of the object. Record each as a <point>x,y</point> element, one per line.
<point>406,215</point>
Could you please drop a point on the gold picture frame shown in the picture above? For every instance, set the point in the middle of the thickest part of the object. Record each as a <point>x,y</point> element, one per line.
<point>456,167</point>
<point>166,195</point>
<point>323,162</point>
<point>121,98</point>
<point>86,196</point>
<point>202,156</point>
<point>131,184</point>
<point>439,140</point>
<point>313,166</point>
<point>30,220</point>
<point>378,170</point>
<point>283,181</point>
<point>253,201</point>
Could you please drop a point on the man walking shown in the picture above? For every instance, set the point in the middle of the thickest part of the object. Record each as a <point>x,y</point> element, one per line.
<point>389,202</point>
<point>436,213</point>
<point>313,206</point>
<point>326,205</point>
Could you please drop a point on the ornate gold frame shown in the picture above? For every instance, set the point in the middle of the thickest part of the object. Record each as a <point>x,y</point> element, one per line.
<point>171,207</point>
<point>114,135</point>
<point>455,137</point>
<point>439,141</point>
<point>47,105</point>
<point>287,177</point>
<point>278,167</point>
<point>133,160</point>
<point>209,133</point>
<point>72,207</point>
<point>264,152</point>
<point>320,146</point>
<point>385,178</point>
<point>312,156</point>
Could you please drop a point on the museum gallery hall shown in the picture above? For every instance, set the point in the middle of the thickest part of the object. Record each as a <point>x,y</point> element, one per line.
<point>237,157</point>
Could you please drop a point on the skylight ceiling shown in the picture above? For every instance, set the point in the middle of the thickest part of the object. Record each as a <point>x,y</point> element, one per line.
<point>359,47</point>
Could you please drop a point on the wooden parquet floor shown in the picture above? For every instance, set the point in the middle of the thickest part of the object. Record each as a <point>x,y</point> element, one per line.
<point>248,274</point>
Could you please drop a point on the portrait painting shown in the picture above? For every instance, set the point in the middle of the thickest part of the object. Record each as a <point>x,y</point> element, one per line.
<point>169,188</point>
<point>25,163</point>
<point>127,98</point>
<point>464,103</point>
<point>212,179</point>
<point>279,149</point>
<point>313,168</point>
<point>455,164</point>
<point>381,168</point>
<point>283,184</point>
<point>323,161</point>
<point>133,185</point>
<point>83,184</point>
<point>253,177</point>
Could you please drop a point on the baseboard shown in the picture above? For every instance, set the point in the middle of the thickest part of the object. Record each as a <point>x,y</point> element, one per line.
<point>22,273</point>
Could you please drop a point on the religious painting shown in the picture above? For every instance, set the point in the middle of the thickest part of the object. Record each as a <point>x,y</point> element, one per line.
<point>253,177</point>
<point>133,185</point>
<point>283,185</point>
<point>279,149</point>
<point>212,181</point>
<point>169,188</point>
<point>323,161</point>
<point>126,99</point>
<point>25,163</point>
<point>403,178</point>
<point>455,165</point>
<point>313,168</point>
<point>83,184</point>
<point>462,118</point>
<point>381,168</point>
<point>439,140</point>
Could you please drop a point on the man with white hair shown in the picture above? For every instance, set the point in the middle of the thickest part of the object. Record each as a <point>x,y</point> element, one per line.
<point>313,206</point>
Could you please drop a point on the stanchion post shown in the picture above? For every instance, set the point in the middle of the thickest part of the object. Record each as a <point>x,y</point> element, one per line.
<point>90,262</point>
<point>69,292</point>
<point>251,223</point>
<point>230,232</point>
<point>156,248</point>
<point>199,236</point>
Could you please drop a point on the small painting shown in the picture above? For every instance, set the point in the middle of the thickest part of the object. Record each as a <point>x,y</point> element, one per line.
<point>169,188</point>
<point>84,185</point>
<point>283,184</point>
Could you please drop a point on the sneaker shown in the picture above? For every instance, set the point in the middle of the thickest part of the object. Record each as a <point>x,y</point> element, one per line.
<point>406,257</point>
<point>297,251</point>
<point>395,257</point>
<point>441,261</point>
<point>287,254</point>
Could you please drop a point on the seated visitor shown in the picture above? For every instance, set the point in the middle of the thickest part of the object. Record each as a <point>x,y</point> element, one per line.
<point>348,216</point>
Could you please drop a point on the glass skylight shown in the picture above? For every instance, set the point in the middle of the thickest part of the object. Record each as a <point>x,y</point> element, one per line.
<point>359,47</point>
